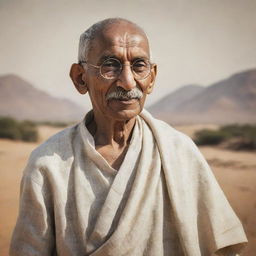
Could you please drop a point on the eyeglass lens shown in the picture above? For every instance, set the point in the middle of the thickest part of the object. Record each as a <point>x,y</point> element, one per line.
<point>111,68</point>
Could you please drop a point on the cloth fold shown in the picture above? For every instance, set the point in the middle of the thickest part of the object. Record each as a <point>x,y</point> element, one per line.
<point>164,199</point>
<point>203,216</point>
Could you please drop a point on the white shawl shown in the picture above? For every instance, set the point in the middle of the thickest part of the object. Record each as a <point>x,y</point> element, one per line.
<point>164,200</point>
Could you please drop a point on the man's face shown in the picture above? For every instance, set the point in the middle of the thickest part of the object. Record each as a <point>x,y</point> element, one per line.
<point>126,43</point>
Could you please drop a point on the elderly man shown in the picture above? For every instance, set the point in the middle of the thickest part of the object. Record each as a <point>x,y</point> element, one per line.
<point>121,182</point>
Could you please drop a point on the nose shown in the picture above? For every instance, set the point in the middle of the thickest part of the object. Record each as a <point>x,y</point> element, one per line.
<point>126,78</point>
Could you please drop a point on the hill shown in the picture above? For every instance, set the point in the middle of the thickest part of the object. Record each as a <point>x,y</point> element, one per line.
<point>21,100</point>
<point>172,102</point>
<point>232,100</point>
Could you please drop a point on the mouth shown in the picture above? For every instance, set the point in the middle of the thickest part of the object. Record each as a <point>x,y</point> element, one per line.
<point>126,101</point>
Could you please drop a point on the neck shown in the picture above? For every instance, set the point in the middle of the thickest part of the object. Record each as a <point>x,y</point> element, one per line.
<point>111,132</point>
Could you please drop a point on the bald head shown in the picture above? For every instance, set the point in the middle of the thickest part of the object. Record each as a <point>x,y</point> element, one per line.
<point>114,53</point>
<point>101,28</point>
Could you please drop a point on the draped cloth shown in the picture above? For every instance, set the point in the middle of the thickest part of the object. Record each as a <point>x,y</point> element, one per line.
<point>163,200</point>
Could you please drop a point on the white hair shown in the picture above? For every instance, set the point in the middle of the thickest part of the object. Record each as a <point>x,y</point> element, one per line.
<point>89,34</point>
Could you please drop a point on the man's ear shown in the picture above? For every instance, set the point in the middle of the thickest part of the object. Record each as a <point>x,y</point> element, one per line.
<point>153,78</point>
<point>77,75</point>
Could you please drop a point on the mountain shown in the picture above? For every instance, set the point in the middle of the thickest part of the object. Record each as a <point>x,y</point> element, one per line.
<point>172,102</point>
<point>232,100</point>
<point>20,100</point>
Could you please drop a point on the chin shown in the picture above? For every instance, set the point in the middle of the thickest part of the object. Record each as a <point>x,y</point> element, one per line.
<point>125,114</point>
<point>123,110</point>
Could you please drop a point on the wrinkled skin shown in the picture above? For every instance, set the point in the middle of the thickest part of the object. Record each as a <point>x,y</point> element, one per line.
<point>114,119</point>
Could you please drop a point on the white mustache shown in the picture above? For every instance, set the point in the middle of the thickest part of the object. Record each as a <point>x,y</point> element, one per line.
<point>121,94</point>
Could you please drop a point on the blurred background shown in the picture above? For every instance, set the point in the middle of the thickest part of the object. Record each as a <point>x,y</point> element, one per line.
<point>206,85</point>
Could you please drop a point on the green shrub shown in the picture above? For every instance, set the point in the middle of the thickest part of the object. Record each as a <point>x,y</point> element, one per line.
<point>54,124</point>
<point>237,137</point>
<point>233,130</point>
<point>210,137</point>
<point>9,128</point>
<point>28,131</point>
<point>247,132</point>
<point>12,129</point>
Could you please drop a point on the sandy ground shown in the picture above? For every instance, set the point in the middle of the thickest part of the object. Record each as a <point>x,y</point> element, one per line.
<point>13,158</point>
<point>235,171</point>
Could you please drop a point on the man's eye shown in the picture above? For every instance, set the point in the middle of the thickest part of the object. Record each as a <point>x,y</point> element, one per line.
<point>111,63</point>
<point>139,66</point>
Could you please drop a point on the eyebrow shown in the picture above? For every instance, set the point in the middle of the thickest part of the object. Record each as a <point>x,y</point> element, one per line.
<point>107,56</point>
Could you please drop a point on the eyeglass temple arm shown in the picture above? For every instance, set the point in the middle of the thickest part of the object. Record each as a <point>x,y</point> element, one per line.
<point>83,61</point>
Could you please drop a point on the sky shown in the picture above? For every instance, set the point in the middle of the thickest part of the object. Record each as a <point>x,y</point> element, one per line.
<point>192,42</point>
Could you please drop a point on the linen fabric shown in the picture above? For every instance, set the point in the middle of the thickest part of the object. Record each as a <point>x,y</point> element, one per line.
<point>164,199</point>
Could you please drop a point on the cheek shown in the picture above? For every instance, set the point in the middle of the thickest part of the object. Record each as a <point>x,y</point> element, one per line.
<point>145,87</point>
<point>98,92</point>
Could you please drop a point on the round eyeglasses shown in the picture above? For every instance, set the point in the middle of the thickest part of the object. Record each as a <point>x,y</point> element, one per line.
<point>111,68</point>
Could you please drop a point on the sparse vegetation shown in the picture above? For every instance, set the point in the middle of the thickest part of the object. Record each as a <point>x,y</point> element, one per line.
<point>15,130</point>
<point>236,137</point>
<point>28,131</point>
<point>54,124</point>
<point>210,137</point>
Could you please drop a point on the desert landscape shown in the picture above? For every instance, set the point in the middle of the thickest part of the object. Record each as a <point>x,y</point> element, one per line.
<point>235,171</point>
<point>205,86</point>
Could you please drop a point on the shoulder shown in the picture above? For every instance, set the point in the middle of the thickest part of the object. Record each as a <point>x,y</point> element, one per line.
<point>165,130</point>
<point>177,149</point>
<point>58,143</point>
<point>54,153</point>
<point>171,141</point>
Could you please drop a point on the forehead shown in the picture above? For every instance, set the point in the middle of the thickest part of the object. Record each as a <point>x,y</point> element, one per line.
<point>121,40</point>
